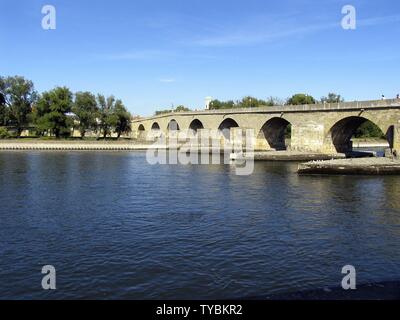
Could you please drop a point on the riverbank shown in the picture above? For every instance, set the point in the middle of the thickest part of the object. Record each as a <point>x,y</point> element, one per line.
<point>295,156</point>
<point>315,162</point>
<point>132,145</point>
<point>73,145</point>
<point>359,166</point>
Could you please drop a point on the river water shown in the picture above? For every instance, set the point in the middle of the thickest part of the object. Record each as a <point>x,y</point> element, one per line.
<point>115,227</point>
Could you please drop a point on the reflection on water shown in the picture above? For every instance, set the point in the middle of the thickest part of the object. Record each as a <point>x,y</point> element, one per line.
<point>115,227</point>
<point>377,151</point>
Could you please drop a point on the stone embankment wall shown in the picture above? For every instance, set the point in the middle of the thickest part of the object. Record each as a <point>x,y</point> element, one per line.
<point>71,145</point>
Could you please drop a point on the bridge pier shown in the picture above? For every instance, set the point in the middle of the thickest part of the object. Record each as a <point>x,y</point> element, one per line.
<point>141,135</point>
<point>261,144</point>
<point>310,138</point>
<point>243,139</point>
<point>394,140</point>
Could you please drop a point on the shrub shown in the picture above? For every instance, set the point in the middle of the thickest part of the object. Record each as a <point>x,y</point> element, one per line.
<point>4,134</point>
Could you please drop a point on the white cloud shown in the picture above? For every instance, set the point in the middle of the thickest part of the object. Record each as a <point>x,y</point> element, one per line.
<point>138,55</point>
<point>255,33</point>
<point>378,20</point>
<point>256,37</point>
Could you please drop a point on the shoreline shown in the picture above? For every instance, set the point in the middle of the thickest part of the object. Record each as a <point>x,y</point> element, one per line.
<point>309,163</point>
<point>64,145</point>
<point>359,166</point>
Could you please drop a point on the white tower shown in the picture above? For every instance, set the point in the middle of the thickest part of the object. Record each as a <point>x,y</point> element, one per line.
<point>208,101</point>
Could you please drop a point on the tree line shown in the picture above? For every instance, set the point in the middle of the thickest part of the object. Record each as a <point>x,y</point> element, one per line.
<point>58,111</point>
<point>179,108</point>
<point>252,102</point>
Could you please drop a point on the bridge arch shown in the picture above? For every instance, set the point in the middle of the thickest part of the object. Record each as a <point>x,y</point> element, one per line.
<point>155,131</point>
<point>141,133</point>
<point>155,127</point>
<point>195,125</point>
<point>343,131</point>
<point>225,127</point>
<point>173,125</point>
<point>277,132</point>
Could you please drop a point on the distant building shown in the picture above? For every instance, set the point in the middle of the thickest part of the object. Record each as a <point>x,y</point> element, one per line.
<point>208,102</point>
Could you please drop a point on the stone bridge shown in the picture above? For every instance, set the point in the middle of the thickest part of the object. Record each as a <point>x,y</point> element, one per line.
<point>321,128</point>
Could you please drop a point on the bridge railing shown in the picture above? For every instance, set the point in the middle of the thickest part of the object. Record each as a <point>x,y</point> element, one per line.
<point>387,103</point>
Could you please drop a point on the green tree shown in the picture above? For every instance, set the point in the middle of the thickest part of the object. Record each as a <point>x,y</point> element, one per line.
<point>246,102</point>
<point>250,102</point>
<point>107,117</point>
<point>181,108</point>
<point>85,109</point>
<point>369,130</point>
<point>162,112</point>
<point>332,98</point>
<point>301,98</point>
<point>4,134</point>
<point>17,95</point>
<point>217,104</point>
<point>273,101</point>
<point>3,111</point>
<point>123,119</point>
<point>52,112</point>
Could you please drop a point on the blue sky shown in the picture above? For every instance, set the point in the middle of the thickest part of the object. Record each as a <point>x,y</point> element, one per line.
<point>153,54</point>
